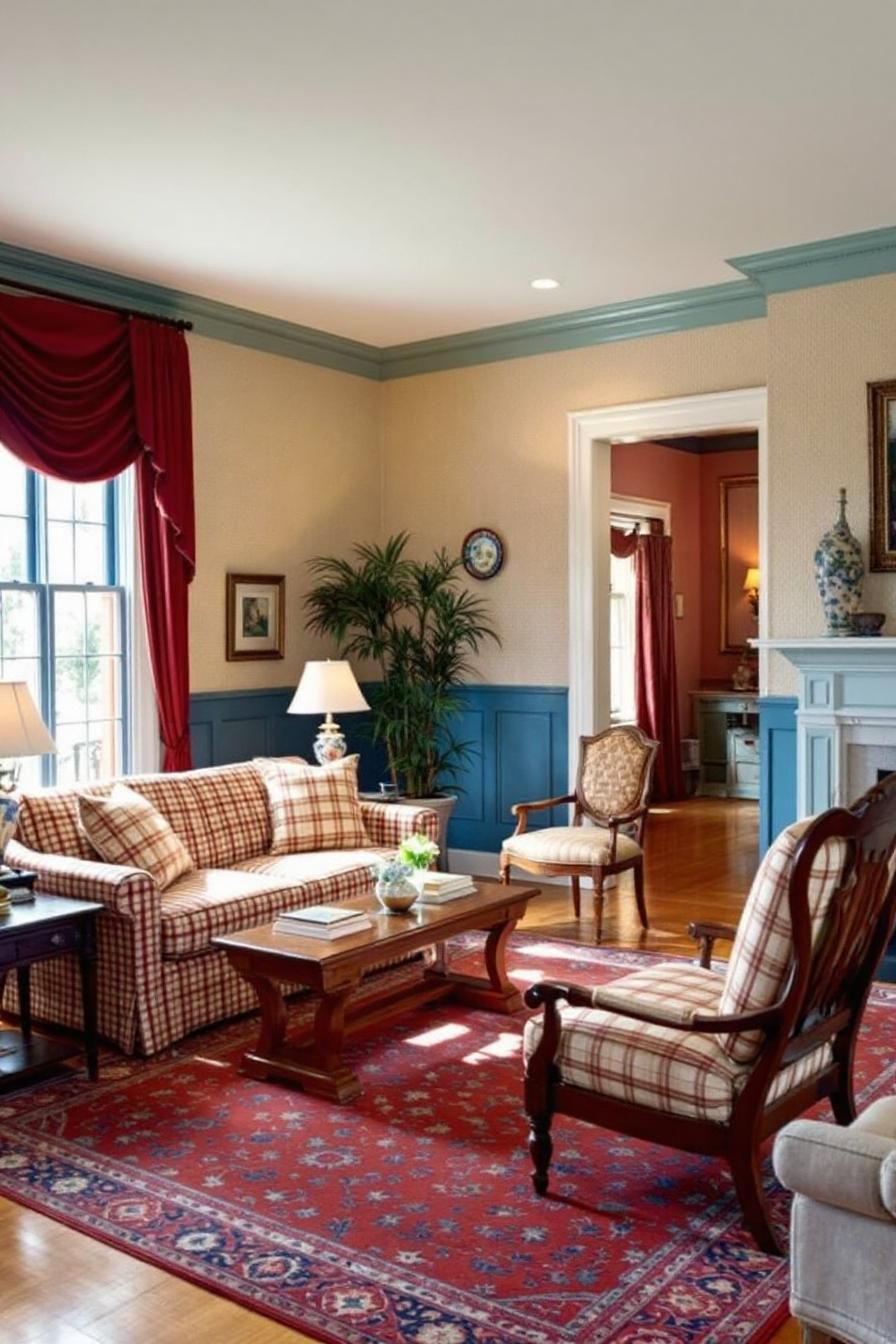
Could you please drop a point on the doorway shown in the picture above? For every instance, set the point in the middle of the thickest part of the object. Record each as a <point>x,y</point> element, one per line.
<point>591,434</point>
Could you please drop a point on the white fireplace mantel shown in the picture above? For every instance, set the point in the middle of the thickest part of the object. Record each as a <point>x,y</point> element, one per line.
<point>846,719</point>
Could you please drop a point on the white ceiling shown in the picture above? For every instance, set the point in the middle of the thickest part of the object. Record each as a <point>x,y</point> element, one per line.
<point>397,169</point>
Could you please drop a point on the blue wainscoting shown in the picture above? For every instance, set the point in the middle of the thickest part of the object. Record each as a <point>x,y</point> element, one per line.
<point>777,766</point>
<point>516,734</point>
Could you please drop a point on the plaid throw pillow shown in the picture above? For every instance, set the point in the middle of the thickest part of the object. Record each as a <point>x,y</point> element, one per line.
<point>125,828</point>
<point>314,807</point>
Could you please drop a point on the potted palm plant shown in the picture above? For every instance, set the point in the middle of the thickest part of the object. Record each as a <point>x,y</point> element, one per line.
<point>420,625</point>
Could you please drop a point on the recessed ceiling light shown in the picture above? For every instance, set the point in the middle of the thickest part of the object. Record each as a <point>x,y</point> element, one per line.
<point>545,283</point>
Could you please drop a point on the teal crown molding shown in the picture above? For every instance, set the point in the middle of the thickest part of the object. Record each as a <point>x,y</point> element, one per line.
<point>221,321</point>
<point>854,256</point>
<point>732,302</point>
<point>736,301</point>
<point>851,257</point>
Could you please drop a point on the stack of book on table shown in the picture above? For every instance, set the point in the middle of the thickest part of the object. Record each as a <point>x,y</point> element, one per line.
<point>322,921</point>
<point>439,887</point>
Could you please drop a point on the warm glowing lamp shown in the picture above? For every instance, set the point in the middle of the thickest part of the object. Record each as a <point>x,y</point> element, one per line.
<point>22,733</point>
<point>328,688</point>
<point>751,588</point>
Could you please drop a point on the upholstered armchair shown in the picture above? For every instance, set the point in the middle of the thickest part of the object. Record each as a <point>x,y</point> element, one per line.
<point>717,1061</point>
<point>607,834</point>
<point>842,1225</point>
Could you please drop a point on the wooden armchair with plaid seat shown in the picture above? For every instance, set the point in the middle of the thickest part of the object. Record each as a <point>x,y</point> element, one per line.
<point>715,1062</point>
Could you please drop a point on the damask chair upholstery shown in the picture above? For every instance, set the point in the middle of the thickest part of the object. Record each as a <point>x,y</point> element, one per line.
<point>842,1225</point>
<point>607,834</point>
<point>717,1061</point>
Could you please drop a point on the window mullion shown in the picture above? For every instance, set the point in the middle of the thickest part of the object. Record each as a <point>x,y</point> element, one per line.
<point>37,527</point>
<point>47,674</point>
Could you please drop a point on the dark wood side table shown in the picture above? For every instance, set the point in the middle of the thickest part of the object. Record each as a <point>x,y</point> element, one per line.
<point>47,927</point>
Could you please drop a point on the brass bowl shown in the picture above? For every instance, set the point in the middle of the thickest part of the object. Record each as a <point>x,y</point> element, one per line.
<point>397,902</point>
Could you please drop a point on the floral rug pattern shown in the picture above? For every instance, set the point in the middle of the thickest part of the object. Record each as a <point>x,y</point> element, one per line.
<point>408,1217</point>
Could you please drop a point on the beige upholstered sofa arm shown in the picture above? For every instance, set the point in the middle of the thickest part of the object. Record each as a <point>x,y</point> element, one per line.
<point>128,891</point>
<point>852,1168</point>
<point>387,824</point>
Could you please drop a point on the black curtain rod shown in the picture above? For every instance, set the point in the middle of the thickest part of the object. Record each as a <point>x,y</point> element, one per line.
<point>180,323</point>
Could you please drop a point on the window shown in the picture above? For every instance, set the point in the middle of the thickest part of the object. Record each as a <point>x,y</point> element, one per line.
<point>62,618</point>
<point>622,639</point>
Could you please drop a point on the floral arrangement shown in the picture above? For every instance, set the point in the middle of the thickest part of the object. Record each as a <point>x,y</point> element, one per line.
<point>391,872</point>
<point>418,851</point>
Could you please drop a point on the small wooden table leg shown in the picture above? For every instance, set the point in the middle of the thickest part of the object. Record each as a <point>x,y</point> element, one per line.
<point>87,965</point>
<point>23,976</point>
<point>314,1064</point>
<point>497,993</point>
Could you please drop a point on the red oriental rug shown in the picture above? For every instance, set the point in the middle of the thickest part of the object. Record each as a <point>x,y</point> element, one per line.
<point>408,1217</point>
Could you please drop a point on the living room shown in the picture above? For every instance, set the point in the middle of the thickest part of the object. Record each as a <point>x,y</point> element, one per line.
<point>346,208</point>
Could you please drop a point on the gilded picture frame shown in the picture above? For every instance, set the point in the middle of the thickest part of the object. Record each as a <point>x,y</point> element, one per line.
<point>738,526</point>
<point>255,616</point>
<point>882,449</point>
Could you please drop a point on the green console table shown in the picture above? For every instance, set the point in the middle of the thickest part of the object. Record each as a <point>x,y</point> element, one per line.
<point>727,725</point>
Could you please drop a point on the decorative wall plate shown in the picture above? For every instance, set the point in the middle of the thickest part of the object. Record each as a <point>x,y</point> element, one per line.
<point>482,553</point>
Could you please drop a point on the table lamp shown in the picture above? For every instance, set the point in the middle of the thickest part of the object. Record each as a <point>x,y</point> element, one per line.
<point>751,588</point>
<point>22,733</point>
<point>328,688</point>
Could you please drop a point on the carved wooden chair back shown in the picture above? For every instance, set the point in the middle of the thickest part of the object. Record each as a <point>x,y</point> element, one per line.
<point>614,775</point>
<point>833,965</point>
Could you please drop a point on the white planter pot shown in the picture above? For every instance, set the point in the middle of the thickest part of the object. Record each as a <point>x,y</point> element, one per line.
<point>443,806</point>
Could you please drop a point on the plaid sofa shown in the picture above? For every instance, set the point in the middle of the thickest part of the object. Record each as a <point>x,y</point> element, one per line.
<point>158,975</point>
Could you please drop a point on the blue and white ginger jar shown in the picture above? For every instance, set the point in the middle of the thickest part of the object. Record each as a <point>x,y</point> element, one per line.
<point>839,571</point>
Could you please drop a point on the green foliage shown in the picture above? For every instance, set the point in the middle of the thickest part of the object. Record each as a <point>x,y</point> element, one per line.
<point>421,626</point>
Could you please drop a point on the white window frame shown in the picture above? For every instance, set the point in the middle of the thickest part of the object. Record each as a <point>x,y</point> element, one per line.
<point>140,748</point>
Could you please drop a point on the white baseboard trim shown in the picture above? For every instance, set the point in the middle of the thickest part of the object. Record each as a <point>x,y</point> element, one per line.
<point>479,862</point>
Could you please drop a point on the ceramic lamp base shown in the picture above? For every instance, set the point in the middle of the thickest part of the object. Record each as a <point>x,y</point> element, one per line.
<point>329,745</point>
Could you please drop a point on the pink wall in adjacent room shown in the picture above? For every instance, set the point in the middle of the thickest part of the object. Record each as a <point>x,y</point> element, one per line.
<point>689,483</point>
<point>715,665</point>
<point>652,471</point>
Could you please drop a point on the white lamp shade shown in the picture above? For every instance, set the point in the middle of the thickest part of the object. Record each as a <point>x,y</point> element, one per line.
<point>752,579</point>
<point>327,688</point>
<point>22,730</point>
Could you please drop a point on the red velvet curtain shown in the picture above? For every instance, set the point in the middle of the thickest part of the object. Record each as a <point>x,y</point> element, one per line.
<point>656,682</point>
<point>85,393</point>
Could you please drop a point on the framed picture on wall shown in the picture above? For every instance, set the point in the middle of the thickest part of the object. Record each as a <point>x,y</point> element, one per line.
<point>255,616</point>
<point>739,519</point>
<point>882,443</point>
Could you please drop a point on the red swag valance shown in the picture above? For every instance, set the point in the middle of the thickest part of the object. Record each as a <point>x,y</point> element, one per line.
<point>84,394</point>
<point>623,544</point>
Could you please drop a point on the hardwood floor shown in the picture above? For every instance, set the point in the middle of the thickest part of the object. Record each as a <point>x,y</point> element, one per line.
<point>60,1287</point>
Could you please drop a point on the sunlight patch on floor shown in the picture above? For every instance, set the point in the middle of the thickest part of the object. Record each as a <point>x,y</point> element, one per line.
<point>556,951</point>
<point>438,1035</point>
<point>529,976</point>
<point>504,1046</point>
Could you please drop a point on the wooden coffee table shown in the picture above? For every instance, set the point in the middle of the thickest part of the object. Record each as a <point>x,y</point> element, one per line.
<point>334,970</point>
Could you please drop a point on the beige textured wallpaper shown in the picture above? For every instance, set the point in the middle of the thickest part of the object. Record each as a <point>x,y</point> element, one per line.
<point>825,344</point>
<point>487,447</point>
<point>287,463</point>
<point>292,460</point>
